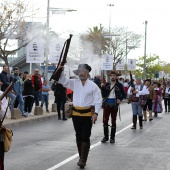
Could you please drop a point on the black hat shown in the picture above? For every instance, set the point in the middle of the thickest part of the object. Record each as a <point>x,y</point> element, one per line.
<point>82,66</point>
<point>117,73</point>
<point>16,68</point>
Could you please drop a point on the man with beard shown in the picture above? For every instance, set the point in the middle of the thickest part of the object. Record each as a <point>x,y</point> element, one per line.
<point>112,93</point>
<point>18,91</point>
<point>87,102</point>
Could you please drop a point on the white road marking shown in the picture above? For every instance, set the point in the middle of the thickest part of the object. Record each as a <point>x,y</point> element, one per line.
<point>76,155</point>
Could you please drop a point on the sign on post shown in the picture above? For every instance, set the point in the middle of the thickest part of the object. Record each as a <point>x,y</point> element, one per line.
<point>120,65</point>
<point>131,64</point>
<point>35,51</point>
<point>107,62</point>
<point>55,48</point>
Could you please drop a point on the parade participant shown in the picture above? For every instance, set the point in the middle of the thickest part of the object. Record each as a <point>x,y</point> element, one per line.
<point>86,94</point>
<point>111,104</point>
<point>150,92</point>
<point>157,105</point>
<point>136,92</point>
<point>167,97</point>
<point>3,106</point>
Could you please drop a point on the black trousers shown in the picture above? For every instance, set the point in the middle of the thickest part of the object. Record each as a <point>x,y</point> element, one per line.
<point>167,103</point>
<point>60,100</point>
<point>1,156</point>
<point>82,127</point>
<point>28,102</point>
<point>148,105</point>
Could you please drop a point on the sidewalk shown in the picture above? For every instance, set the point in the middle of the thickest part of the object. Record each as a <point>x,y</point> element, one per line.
<point>12,122</point>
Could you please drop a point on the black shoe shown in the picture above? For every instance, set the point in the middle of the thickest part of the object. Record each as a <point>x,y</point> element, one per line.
<point>112,140</point>
<point>24,115</point>
<point>64,118</point>
<point>133,127</point>
<point>104,140</point>
<point>59,118</point>
<point>165,110</point>
<point>150,119</point>
<point>141,127</point>
<point>168,111</point>
<point>156,115</point>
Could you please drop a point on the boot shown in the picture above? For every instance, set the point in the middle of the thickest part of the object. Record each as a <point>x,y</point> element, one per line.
<point>106,134</point>
<point>64,117</point>
<point>84,154</point>
<point>150,115</point>
<point>112,136</point>
<point>144,116</point>
<point>156,114</point>
<point>79,147</point>
<point>134,122</point>
<point>140,122</point>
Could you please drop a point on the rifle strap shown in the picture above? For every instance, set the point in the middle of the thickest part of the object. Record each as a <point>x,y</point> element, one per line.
<point>108,94</point>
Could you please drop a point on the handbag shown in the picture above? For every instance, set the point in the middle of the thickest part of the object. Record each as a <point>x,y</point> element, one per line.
<point>68,109</point>
<point>6,137</point>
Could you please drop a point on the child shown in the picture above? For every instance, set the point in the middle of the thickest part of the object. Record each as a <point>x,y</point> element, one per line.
<point>45,95</point>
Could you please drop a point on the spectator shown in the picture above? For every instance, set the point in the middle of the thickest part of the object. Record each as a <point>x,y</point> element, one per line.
<point>45,95</point>
<point>18,91</point>
<point>25,74</point>
<point>97,81</point>
<point>28,94</point>
<point>37,84</point>
<point>6,79</point>
<point>125,85</point>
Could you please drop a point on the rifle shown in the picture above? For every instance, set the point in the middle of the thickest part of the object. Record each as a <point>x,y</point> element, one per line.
<point>57,72</point>
<point>164,86</point>
<point>132,85</point>
<point>4,94</point>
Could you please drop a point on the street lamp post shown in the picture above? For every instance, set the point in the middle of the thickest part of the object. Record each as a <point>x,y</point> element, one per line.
<point>144,68</point>
<point>47,31</point>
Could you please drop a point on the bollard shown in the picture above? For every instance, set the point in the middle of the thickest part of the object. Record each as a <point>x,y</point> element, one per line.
<point>54,107</point>
<point>16,113</point>
<point>38,110</point>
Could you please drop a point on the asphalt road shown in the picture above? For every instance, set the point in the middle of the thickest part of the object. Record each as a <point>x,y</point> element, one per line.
<point>43,144</point>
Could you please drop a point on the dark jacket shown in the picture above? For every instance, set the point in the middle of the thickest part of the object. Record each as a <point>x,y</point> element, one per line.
<point>119,90</point>
<point>59,90</point>
<point>28,88</point>
<point>5,79</point>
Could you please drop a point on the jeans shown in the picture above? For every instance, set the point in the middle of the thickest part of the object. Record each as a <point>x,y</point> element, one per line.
<point>37,97</point>
<point>136,109</point>
<point>44,98</point>
<point>12,99</point>
<point>20,100</point>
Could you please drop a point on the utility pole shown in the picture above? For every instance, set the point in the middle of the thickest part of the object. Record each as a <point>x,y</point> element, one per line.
<point>47,42</point>
<point>144,68</point>
<point>126,58</point>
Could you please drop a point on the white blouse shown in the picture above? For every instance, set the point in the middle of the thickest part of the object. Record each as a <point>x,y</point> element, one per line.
<point>85,95</point>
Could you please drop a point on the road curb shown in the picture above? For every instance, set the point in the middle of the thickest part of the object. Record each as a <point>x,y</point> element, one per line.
<point>31,119</point>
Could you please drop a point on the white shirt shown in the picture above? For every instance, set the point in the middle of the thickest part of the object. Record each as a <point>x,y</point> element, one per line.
<point>83,95</point>
<point>167,90</point>
<point>112,93</point>
<point>144,90</point>
<point>3,106</point>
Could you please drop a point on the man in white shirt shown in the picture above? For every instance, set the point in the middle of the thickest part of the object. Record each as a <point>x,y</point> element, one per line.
<point>135,92</point>
<point>85,95</point>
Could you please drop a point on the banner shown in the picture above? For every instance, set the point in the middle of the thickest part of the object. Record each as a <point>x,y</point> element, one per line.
<point>131,64</point>
<point>55,48</point>
<point>120,65</point>
<point>35,51</point>
<point>107,62</point>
